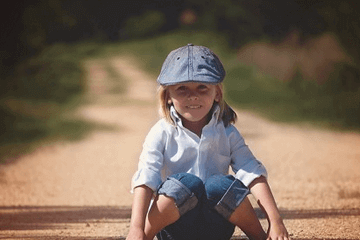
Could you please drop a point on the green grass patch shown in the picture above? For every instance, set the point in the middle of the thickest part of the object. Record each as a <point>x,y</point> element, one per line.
<point>40,100</point>
<point>31,134</point>
<point>300,100</point>
<point>152,52</point>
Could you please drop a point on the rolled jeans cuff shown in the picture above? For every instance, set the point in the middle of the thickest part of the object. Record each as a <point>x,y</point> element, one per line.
<point>185,200</point>
<point>232,198</point>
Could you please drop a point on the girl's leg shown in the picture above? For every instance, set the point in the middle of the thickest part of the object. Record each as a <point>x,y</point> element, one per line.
<point>245,218</point>
<point>175,209</point>
<point>162,213</point>
<point>227,197</point>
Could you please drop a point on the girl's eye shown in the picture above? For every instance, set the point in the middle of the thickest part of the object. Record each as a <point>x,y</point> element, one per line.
<point>202,87</point>
<point>181,88</point>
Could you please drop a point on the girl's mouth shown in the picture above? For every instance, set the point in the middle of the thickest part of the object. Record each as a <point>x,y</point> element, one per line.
<point>194,106</point>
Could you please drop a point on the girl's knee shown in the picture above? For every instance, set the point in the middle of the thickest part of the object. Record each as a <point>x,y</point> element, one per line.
<point>192,182</point>
<point>186,190</point>
<point>216,186</point>
<point>225,193</point>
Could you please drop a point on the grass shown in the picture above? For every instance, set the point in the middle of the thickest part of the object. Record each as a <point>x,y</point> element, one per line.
<point>328,105</point>
<point>51,86</point>
<point>152,52</point>
<point>296,101</point>
<point>47,90</point>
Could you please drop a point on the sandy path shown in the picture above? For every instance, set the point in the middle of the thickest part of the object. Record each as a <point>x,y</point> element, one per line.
<point>81,190</point>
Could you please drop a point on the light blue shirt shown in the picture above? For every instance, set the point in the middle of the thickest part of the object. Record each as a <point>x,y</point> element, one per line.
<point>170,149</point>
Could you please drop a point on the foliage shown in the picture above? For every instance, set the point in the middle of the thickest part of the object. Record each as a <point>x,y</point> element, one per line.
<point>149,23</point>
<point>41,78</point>
<point>331,104</point>
<point>41,97</point>
<point>237,20</point>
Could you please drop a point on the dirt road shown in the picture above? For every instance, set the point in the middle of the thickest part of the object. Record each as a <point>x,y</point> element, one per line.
<point>80,190</point>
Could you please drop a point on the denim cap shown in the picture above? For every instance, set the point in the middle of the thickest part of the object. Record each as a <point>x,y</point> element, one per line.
<point>191,64</point>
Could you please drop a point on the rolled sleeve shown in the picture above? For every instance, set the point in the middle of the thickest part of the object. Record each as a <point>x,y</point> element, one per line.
<point>146,177</point>
<point>244,164</point>
<point>250,172</point>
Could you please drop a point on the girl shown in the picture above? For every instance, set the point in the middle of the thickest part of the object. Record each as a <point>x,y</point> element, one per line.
<point>182,189</point>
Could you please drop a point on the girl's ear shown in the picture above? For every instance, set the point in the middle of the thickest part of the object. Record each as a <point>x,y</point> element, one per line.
<point>169,101</point>
<point>218,95</point>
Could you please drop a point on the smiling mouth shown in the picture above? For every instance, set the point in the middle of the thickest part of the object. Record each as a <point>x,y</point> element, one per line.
<point>194,107</point>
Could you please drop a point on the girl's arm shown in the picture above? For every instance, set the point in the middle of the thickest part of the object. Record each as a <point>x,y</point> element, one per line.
<point>141,202</point>
<point>261,190</point>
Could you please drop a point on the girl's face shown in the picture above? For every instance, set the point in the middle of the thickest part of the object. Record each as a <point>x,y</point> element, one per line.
<point>193,101</point>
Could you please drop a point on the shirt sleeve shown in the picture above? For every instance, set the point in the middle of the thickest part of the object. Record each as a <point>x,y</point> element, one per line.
<point>151,159</point>
<point>244,164</point>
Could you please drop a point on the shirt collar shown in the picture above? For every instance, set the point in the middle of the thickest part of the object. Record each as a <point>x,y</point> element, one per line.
<point>174,116</point>
<point>177,120</point>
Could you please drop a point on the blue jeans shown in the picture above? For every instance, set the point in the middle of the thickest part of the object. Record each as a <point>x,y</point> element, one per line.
<point>204,207</point>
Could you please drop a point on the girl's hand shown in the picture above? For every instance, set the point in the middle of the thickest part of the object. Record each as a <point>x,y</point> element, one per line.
<point>135,234</point>
<point>277,231</point>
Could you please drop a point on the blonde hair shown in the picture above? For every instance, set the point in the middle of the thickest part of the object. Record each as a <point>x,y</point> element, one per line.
<point>227,114</point>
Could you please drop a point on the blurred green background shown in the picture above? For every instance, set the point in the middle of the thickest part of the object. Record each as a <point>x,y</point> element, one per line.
<point>290,61</point>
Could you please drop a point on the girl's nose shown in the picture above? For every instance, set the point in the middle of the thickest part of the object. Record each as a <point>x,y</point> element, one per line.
<point>192,95</point>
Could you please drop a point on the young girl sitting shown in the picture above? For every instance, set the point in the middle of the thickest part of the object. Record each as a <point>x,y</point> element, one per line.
<point>182,188</point>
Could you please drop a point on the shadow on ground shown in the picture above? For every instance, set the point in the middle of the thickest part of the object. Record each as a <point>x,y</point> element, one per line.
<point>70,238</point>
<point>311,214</point>
<point>18,218</point>
<point>44,217</point>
